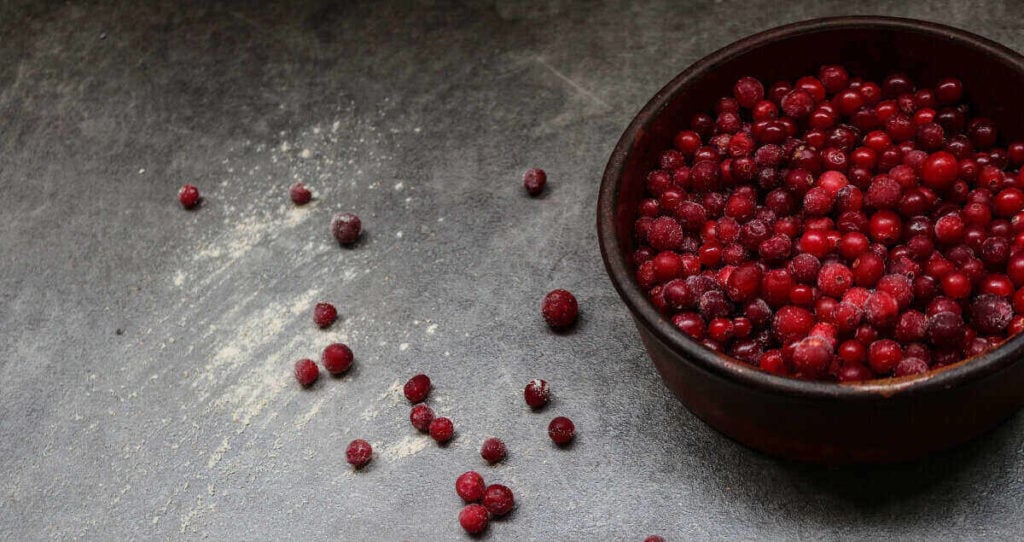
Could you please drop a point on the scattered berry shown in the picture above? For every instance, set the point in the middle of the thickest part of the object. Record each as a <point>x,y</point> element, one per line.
<point>470,486</point>
<point>474,518</point>
<point>324,314</point>
<point>498,499</point>
<point>300,194</point>
<point>537,393</point>
<point>441,430</point>
<point>337,358</point>
<point>188,196</point>
<point>561,430</point>
<point>493,450</point>
<point>359,453</point>
<point>534,180</point>
<point>306,372</point>
<point>346,228</point>
<point>417,388</point>
<point>559,309</point>
<point>420,416</point>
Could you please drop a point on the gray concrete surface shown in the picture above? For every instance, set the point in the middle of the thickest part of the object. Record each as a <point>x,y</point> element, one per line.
<point>145,351</point>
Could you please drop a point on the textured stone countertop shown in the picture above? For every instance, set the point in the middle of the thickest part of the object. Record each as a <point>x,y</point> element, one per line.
<point>145,351</point>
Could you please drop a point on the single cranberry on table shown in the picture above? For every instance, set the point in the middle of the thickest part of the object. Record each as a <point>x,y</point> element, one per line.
<point>441,430</point>
<point>346,228</point>
<point>337,358</point>
<point>306,372</point>
<point>358,453</point>
<point>493,450</point>
<point>474,518</point>
<point>470,486</point>
<point>324,314</point>
<point>417,388</point>
<point>188,196</point>
<point>537,393</point>
<point>561,430</point>
<point>420,416</point>
<point>498,499</point>
<point>534,180</point>
<point>559,309</point>
<point>299,194</point>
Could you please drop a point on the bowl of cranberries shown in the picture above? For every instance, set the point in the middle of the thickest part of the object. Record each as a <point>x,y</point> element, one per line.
<point>819,231</point>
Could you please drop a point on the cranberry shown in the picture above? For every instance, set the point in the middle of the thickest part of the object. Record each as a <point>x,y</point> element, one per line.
<point>188,196</point>
<point>300,194</point>
<point>306,372</point>
<point>346,228</point>
<point>811,356</point>
<point>883,355</point>
<point>470,486</point>
<point>537,393</point>
<point>492,450</point>
<point>881,309</point>
<point>946,329</point>
<point>420,416</point>
<point>792,324</point>
<point>748,92</point>
<point>474,518</point>
<point>358,453</point>
<point>561,430</point>
<point>834,279</point>
<point>534,180</point>
<point>655,538</point>
<point>337,358</point>
<point>560,309</point>
<point>441,430</point>
<point>417,388</point>
<point>910,366</point>
<point>991,314</point>
<point>498,500</point>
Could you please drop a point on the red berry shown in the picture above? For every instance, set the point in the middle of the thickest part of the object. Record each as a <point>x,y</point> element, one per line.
<point>417,388</point>
<point>188,196</point>
<point>910,366</point>
<point>470,486</point>
<point>300,194</point>
<point>306,372</point>
<point>834,279</point>
<point>537,393</point>
<point>492,450</point>
<point>337,358</point>
<point>559,308</point>
<point>883,355</point>
<point>534,180</point>
<point>881,309</point>
<point>474,518</point>
<point>441,430</point>
<point>940,170</point>
<point>791,324</point>
<point>324,314</point>
<point>990,314</point>
<point>811,357</point>
<point>346,228</point>
<point>561,430</point>
<point>358,453</point>
<point>420,416</point>
<point>748,92</point>
<point>498,499</point>
<point>655,538</point>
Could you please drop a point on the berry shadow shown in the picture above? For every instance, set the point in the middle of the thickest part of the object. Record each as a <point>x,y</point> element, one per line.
<point>362,240</point>
<point>576,327</point>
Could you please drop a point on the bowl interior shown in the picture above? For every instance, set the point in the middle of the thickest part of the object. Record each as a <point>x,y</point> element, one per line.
<point>870,47</point>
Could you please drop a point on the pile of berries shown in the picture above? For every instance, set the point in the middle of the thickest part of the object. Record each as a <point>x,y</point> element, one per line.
<point>836,228</point>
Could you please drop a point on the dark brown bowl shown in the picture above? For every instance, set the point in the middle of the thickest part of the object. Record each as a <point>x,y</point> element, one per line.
<point>873,422</point>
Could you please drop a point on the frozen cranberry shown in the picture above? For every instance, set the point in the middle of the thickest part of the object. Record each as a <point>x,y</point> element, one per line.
<point>534,180</point>
<point>811,357</point>
<point>299,194</point>
<point>881,309</point>
<point>306,372</point>
<point>912,326</point>
<point>417,388</point>
<point>441,430</point>
<point>834,279</point>
<point>990,314</point>
<point>883,355</point>
<point>946,329</point>
<point>346,228</point>
<point>956,285</point>
<point>748,92</point>
<point>470,486</point>
<point>492,450</point>
<point>561,430</point>
<point>474,518</point>
<point>792,324</point>
<point>420,416</point>
<point>325,315</point>
<point>560,309</point>
<point>498,500</point>
<point>337,358</point>
<point>537,393</point>
<point>358,453</point>
<point>188,196</point>
<point>910,366</point>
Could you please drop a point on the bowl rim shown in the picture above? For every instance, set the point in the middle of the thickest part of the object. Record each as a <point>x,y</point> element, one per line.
<point>621,273</point>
